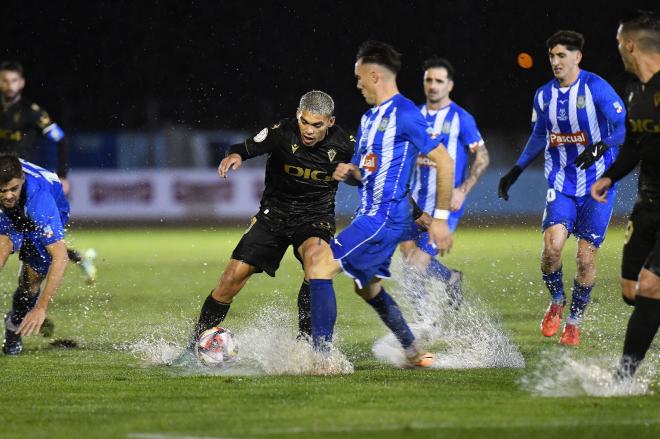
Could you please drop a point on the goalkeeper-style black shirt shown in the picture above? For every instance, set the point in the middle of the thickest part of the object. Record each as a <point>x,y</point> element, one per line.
<point>20,125</point>
<point>299,183</point>
<point>642,141</point>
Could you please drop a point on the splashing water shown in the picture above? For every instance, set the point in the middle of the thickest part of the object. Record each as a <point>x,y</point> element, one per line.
<point>266,346</point>
<point>466,338</point>
<point>559,373</point>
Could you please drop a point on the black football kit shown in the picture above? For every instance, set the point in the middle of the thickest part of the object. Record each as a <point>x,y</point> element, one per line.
<point>642,248</point>
<point>299,198</point>
<point>20,125</point>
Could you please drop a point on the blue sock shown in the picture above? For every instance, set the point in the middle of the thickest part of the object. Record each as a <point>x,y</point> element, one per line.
<point>555,285</point>
<point>579,302</point>
<point>438,270</point>
<point>323,310</point>
<point>390,314</point>
<point>22,303</point>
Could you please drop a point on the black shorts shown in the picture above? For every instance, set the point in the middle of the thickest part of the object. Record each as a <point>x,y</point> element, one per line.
<point>642,243</point>
<point>263,245</point>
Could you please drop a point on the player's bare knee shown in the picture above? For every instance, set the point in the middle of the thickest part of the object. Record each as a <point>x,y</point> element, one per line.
<point>628,290</point>
<point>649,284</point>
<point>586,267</point>
<point>368,291</point>
<point>550,258</point>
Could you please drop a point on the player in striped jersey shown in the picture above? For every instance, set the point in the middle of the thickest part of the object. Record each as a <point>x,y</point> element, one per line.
<point>576,116</point>
<point>443,117</point>
<point>390,137</point>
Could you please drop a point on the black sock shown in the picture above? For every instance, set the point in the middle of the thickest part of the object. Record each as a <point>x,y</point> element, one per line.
<point>642,327</point>
<point>304,311</point>
<point>74,256</point>
<point>21,304</point>
<point>212,314</point>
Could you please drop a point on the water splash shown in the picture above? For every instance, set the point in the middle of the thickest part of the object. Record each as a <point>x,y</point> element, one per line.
<point>465,338</point>
<point>266,346</point>
<point>560,373</point>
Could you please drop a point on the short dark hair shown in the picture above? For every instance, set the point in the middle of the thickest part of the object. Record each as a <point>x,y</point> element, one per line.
<point>12,66</point>
<point>569,38</point>
<point>377,52</point>
<point>647,27</point>
<point>438,62</point>
<point>10,168</point>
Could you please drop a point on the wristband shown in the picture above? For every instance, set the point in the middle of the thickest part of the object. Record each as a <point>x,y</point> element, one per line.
<point>442,214</point>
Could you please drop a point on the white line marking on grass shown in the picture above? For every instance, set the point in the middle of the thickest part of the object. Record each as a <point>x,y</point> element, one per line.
<point>171,436</point>
<point>465,425</point>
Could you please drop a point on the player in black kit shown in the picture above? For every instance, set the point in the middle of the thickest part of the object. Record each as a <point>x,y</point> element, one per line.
<point>21,122</point>
<point>297,206</point>
<point>639,46</point>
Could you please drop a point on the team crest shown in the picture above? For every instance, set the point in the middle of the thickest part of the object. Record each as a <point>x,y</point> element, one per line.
<point>383,124</point>
<point>261,135</point>
<point>581,102</point>
<point>617,107</point>
<point>446,127</point>
<point>294,148</point>
<point>48,232</point>
<point>429,130</point>
<point>331,154</point>
<point>656,99</point>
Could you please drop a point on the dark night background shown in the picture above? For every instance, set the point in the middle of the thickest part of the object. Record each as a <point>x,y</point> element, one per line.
<point>240,64</point>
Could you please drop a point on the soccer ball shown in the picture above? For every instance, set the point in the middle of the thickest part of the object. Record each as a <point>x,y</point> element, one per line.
<point>216,346</point>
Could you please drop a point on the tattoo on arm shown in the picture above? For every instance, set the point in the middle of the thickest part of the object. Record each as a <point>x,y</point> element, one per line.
<point>481,162</point>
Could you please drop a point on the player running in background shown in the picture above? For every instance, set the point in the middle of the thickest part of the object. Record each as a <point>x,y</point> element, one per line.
<point>21,121</point>
<point>32,219</point>
<point>639,46</point>
<point>297,207</point>
<point>443,117</point>
<point>390,137</point>
<point>576,117</point>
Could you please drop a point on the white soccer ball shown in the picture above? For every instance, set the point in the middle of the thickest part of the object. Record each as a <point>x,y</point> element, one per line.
<point>216,346</point>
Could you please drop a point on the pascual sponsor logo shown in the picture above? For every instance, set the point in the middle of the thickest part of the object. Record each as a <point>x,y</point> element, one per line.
<point>579,138</point>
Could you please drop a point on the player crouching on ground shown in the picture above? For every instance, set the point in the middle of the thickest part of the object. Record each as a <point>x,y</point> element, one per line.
<point>32,217</point>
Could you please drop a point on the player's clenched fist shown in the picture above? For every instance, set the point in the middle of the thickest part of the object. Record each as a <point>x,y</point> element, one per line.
<point>345,171</point>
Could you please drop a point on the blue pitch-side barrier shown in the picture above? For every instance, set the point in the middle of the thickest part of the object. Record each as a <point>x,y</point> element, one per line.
<point>526,197</point>
<point>143,150</point>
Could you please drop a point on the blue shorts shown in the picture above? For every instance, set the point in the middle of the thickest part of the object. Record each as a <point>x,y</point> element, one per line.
<point>32,251</point>
<point>583,216</point>
<point>364,249</point>
<point>421,238</point>
<point>36,256</point>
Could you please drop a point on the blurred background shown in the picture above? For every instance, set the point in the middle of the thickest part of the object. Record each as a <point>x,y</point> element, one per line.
<point>151,93</point>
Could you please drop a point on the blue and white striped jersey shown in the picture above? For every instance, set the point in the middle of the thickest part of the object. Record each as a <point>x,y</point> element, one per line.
<point>389,139</point>
<point>462,137</point>
<point>568,119</point>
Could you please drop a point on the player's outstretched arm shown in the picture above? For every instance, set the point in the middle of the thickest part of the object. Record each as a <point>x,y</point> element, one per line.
<point>232,161</point>
<point>439,233</point>
<point>348,173</point>
<point>35,318</point>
